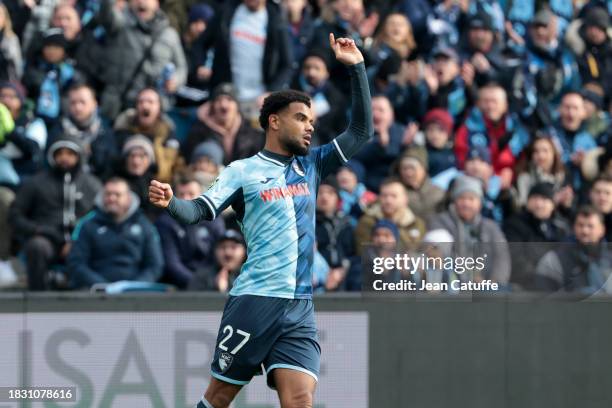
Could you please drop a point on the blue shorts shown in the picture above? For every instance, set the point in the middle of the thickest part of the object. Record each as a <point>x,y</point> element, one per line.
<point>263,333</point>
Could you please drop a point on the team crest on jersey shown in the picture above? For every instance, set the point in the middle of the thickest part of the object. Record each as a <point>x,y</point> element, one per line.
<point>296,167</point>
<point>225,361</point>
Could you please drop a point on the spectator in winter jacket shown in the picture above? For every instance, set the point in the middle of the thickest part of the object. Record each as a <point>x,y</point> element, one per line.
<point>141,45</point>
<point>115,242</point>
<point>219,120</point>
<point>438,132</point>
<point>490,125</point>
<point>252,31</point>
<point>334,233</point>
<point>200,16</point>
<point>354,196</point>
<point>187,249</point>
<point>230,254</point>
<point>22,149</point>
<point>83,122</point>
<point>393,206</point>
<point>11,60</point>
<point>473,233</point>
<point>597,120</point>
<point>328,103</point>
<point>300,22</point>
<point>537,222</point>
<point>48,75</point>
<point>48,206</point>
<point>600,197</point>
<point>583,264</point>
<point>378,154</point>
<point>423,196</point>
<point>207,162</point>
<point>149,120</point>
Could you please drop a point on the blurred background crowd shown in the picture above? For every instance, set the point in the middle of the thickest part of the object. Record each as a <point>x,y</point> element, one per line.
<point>491,117</point>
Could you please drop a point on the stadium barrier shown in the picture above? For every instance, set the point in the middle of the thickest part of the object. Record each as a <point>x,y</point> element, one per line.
<point>152,350</point>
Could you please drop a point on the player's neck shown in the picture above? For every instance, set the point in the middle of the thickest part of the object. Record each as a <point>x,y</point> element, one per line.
<point>275,149</point>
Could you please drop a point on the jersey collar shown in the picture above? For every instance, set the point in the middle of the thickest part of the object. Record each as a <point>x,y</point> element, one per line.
<point>278,159</point>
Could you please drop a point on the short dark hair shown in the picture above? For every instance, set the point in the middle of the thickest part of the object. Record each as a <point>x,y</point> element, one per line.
<point>185,178</point>
<point>117,180</point>
<point>391,180</point>
<point>603,178</point>
<point>277,101</point>
<point>589,211</point>
<point>81,85</point>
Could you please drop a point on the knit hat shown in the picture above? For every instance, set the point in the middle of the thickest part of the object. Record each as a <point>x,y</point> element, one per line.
<point>15,86</point>
<point>466,184</point>
<point>320,53</point>
<point>481,20</point>
<point>356,168</point>
<point>210,150</point>
<point>545,190</point>
<point>330,181</point>
<point>479,152</point>
<point>139,141</point>
<point>441,117</point>
<point>419,154</point>
<point>445,51</point>
<point>542,17</point>
<point>597,17</point>
<point>437,236</point>
<point>224,88</point>
<point>388,225</point>
<point>64,142</point>
<point>231,235</point>
<point>54,36</point>
<point>201,12</point>
<point>593,97</point>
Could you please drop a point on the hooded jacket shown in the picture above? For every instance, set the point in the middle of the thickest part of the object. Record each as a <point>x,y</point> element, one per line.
<point>51,202</point>
<point>106,250</point>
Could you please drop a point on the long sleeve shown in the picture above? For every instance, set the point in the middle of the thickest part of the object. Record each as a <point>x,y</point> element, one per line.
<point>189,211</point>
<point>82,275</point>
<point>153,263</point>
<point>361,127</point>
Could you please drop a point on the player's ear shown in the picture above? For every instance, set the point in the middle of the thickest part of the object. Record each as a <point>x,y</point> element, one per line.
<point>274,121</point>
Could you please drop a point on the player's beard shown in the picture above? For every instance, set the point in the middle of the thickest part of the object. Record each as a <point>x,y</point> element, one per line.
<point>294,147</point>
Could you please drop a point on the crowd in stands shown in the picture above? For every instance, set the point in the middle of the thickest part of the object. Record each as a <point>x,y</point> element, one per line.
<point>492,127</point>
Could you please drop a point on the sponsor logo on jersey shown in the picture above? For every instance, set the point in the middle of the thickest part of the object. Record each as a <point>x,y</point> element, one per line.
<point>278,193</point>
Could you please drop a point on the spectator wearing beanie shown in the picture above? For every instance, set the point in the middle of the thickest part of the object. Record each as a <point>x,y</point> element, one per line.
<point>379,154</point>
<point>137,167</point>
<point>207,160</point>
<point>354,196</point>
<point>199,18</point>
<point>392,205</point>
<point>328,103</point>
<point>334,233</point>
<point>537,222</point>
<point>423,196</point>
<point>597,122</point>
<point>470,230</point>
<point>220,120</point>
<point>438,132</point>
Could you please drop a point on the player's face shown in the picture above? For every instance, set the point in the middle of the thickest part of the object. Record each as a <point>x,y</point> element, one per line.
<point>296,127</point>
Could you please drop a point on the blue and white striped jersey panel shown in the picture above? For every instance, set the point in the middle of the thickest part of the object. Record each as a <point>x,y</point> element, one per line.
<point>275,202</point>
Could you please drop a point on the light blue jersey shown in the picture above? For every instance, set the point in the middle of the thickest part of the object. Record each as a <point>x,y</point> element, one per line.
<point>275,200</point>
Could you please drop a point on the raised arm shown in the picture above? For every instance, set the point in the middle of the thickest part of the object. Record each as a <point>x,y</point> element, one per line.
<point>360,128</point>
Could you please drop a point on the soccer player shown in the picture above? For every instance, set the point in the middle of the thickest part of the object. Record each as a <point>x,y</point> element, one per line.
<point>268,321</point>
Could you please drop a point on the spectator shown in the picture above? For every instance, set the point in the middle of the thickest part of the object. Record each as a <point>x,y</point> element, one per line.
<point>491,125</point>
<point>137,166</point>
<point>253,31</point>
<point>47,207</point>
<point>230,254</point>
<point>187,249</point>
<point>334,234</point>
<point>207,162</point>
<point>542,163</point>
<point>328,103</point>
<point>597,121</point>
<point>537,222</point>
<point>394,37</point>
<point>472,232</point>
<point>482,48</point>
<point>48,75</point>
<point>24,145</point>
<point>551,66</point>
<point>219,120</point>
<point>141,45</point>
<point>423,196</point>
<point>148,119</point>
<point>593,48</point>
<point>39,17</point>
<point>583,264</point>
<point>11,61</point>
<point>83,122</point>
<point>438,133</point>
<point>354,196</point>
<point>66,18</point>
<point>200,16</point>
<point>392,206</point>
<point>601,198</point>
<point>301,24</point>
<point>115,242</point>
<point>378,154</point>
